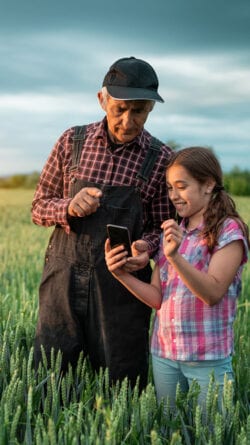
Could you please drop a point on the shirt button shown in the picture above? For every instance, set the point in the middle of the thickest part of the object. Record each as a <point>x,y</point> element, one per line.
<point>172,319</point>
<point>174,340</point>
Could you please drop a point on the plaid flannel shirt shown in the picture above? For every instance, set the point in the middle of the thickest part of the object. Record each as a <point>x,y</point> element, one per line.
<point>101,165</point>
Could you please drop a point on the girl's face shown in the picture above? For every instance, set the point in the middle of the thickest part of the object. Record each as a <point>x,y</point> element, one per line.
<point>189,196</point>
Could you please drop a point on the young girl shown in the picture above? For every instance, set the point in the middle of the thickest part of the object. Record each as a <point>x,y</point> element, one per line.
<point>196,278</point>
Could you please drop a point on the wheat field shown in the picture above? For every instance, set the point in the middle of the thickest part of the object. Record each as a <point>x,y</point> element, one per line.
<point>80,407</point>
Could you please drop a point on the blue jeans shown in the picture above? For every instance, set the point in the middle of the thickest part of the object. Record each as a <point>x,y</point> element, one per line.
<point>168,373</point>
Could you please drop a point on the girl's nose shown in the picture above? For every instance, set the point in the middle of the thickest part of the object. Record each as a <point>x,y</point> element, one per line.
<point>173,193</point>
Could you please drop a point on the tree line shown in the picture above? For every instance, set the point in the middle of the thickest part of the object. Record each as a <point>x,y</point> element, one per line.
<point>236,182</point>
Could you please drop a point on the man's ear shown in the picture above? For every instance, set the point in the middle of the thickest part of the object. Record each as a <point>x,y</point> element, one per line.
<point>101,99</point>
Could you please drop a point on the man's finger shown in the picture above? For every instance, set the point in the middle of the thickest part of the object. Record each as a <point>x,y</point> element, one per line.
<point>93,191</point>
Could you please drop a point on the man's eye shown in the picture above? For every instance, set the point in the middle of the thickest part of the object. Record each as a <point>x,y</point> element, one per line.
<point>118,110</point>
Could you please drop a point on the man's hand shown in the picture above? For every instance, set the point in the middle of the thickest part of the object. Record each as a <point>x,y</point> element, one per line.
<point>85,202</point>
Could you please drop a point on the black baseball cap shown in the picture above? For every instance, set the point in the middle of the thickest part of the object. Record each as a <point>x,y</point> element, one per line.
<point>132,79</point>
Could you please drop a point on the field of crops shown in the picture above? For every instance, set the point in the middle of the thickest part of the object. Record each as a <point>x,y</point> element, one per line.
<point>82,408</point>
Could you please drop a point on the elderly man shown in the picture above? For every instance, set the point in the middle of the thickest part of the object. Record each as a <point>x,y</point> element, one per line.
<point>111,171</point>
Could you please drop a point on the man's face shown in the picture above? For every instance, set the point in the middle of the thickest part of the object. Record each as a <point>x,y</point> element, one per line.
<point>125,118</point>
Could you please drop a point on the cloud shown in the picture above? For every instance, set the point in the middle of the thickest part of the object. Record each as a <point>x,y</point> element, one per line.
<point>217,78</point>
<point>54,57</point>
<point>203,105</point>
<point>162,24</point>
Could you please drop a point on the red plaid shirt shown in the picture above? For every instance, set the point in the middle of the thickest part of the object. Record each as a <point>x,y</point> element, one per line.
<point>102,165</point>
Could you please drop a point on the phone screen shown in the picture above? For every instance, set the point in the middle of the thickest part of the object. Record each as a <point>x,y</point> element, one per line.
<point>119,235</point>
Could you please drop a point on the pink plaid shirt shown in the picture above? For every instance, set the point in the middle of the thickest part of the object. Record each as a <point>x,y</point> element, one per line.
<point>185,328</point>
<point>100,164</point>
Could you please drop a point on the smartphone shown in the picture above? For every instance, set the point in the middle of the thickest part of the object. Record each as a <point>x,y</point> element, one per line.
<point>119,235</point>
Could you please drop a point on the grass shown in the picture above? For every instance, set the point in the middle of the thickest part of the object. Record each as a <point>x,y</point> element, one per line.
<point>82,408</point>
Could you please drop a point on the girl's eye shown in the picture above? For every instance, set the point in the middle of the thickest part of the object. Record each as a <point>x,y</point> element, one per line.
<point>179,187</point>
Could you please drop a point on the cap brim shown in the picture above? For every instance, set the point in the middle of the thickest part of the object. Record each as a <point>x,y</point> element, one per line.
<point>124,93</point>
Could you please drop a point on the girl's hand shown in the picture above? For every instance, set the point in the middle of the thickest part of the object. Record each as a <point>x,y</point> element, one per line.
<point>140,257</point>
<point>115,259</point>
<point>172,237</point>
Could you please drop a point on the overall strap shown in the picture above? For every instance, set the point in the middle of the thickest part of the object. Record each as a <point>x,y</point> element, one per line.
<point>150,158</point>
<point>78,139</point>
<point>147,165</point>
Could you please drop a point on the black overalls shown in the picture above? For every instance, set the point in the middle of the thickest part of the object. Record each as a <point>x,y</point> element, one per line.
<point>81,305</point>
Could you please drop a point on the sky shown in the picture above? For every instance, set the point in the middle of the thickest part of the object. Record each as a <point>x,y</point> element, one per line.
<point>54,55</point>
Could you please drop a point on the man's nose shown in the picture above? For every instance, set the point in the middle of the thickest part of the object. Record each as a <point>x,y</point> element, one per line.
<point>127,120</point>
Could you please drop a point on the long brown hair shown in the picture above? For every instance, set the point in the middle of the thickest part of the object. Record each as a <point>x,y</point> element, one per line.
<point>202,164</point>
